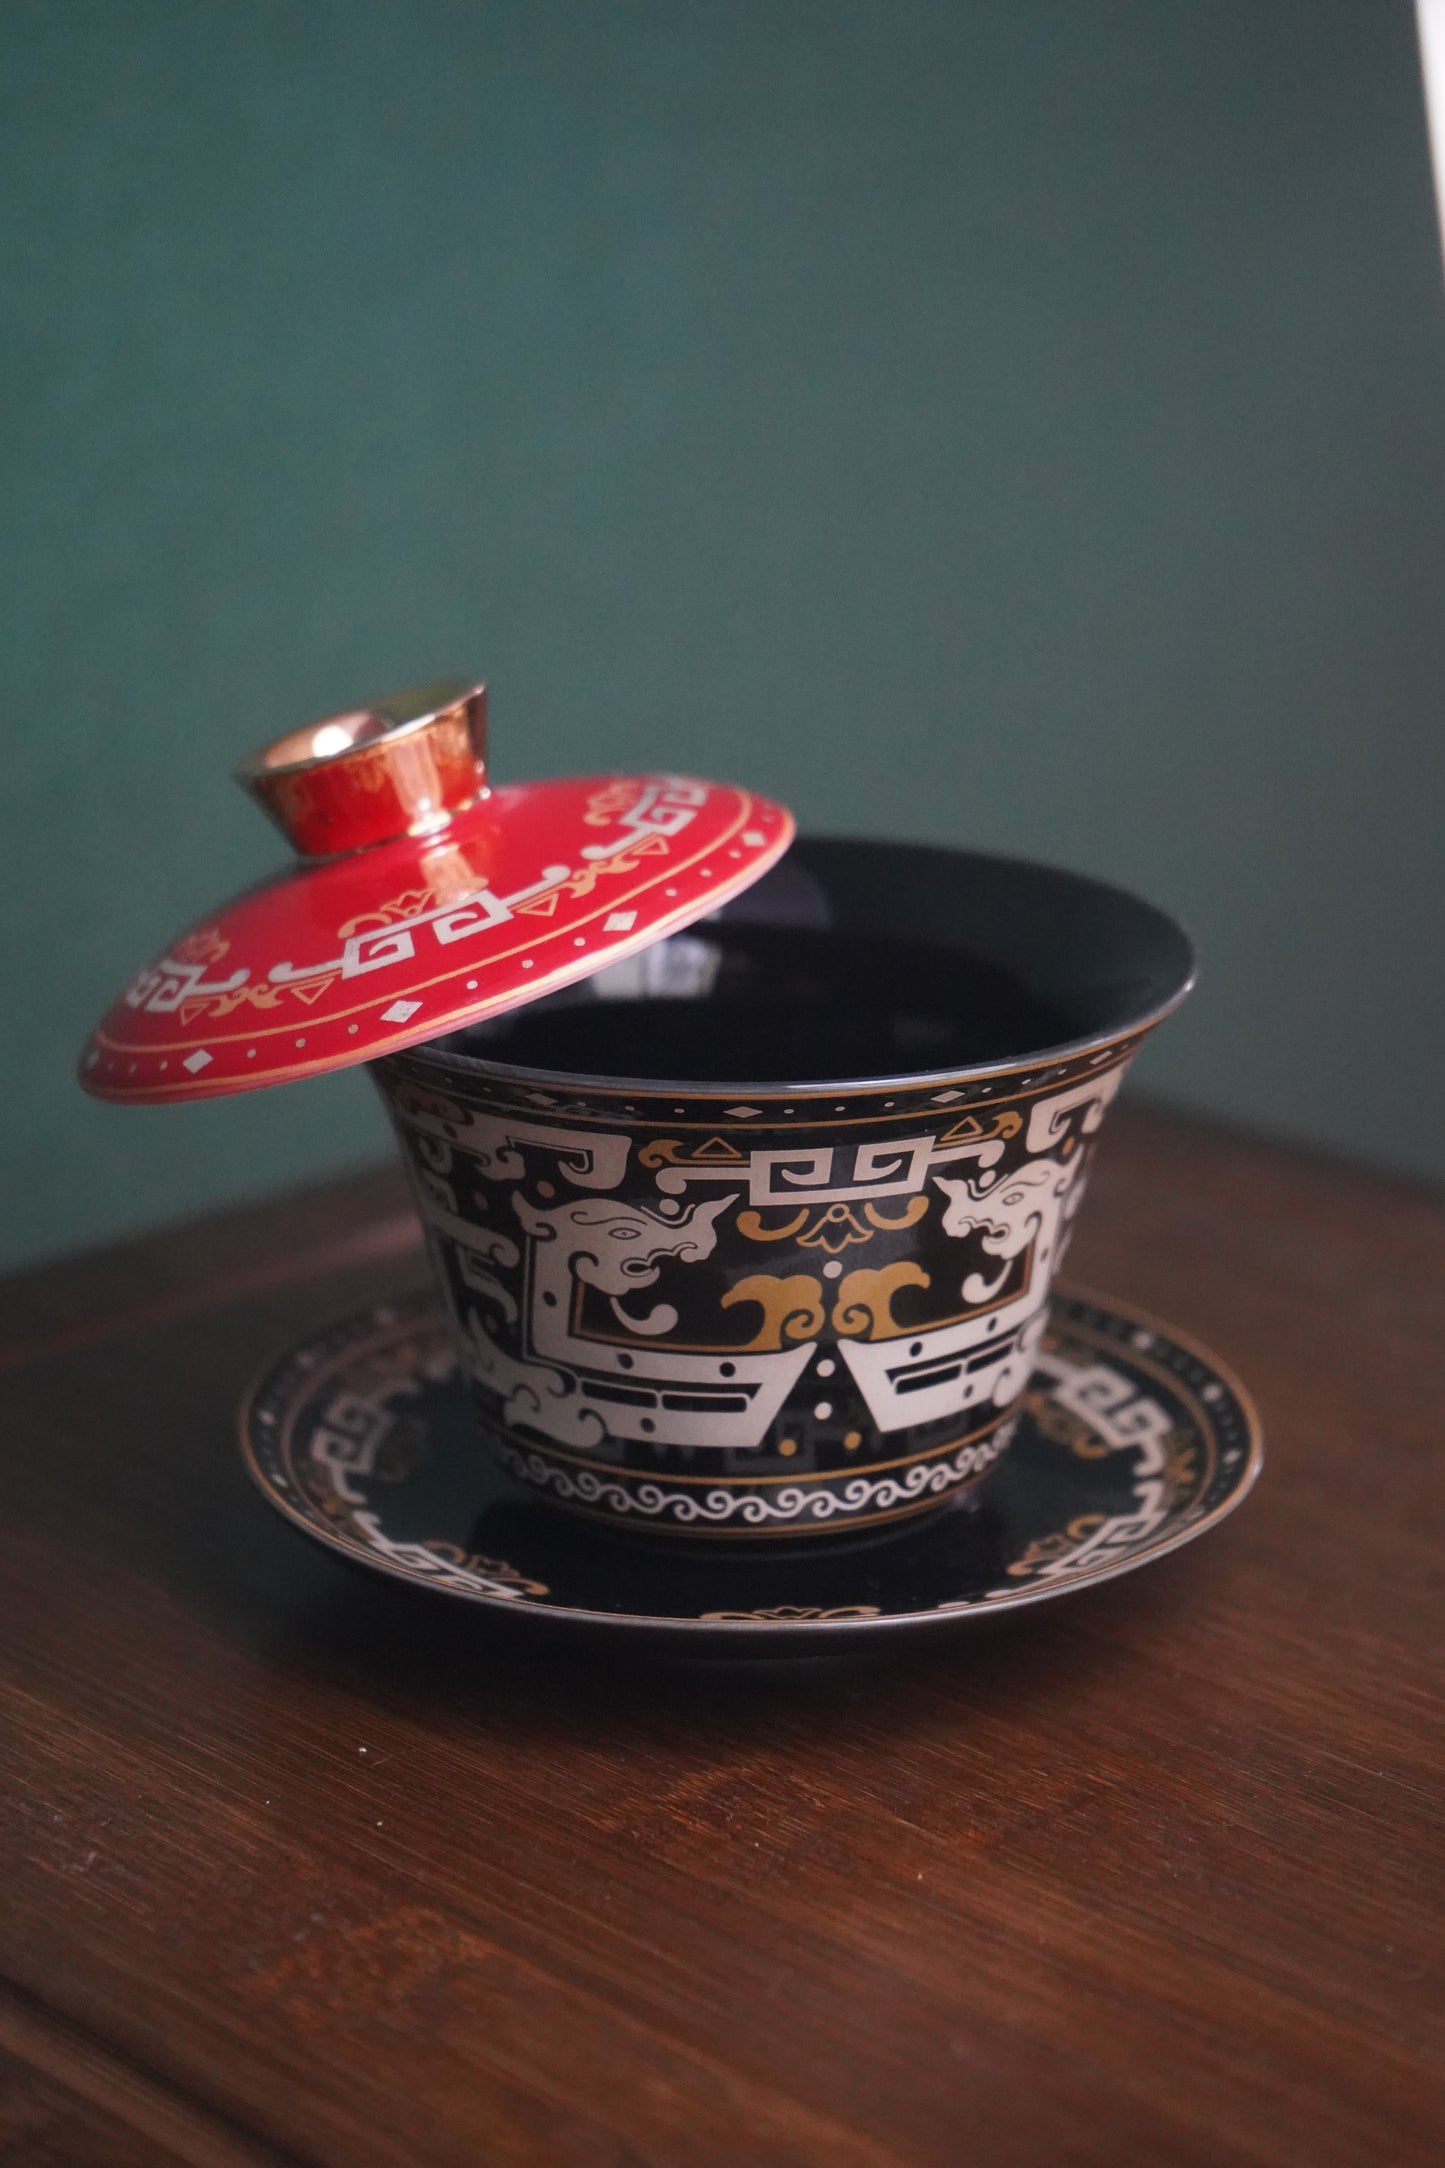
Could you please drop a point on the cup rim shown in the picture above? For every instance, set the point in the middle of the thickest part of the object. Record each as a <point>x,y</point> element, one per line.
<point>450,1060</point>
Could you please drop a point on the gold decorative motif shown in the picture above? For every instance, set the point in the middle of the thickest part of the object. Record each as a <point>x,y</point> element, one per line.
<point>662,1152</point>
<point>670,1152</point>
<point>206,945</point>
<point>970,1130</point>
<point>1063,1427</point>
<point>583,879</point>
<point>792,1308</point>
<point>494,1569</point>
<point>835,1230</point>
<point>410,904</point>
<point>259,996</point>
<point>832,1227</point>
<point>864,1309</point>
<point>1181,1465</point>
<point>1087,1442</point>
<point>915,1210</point>
<point>786,1611</point>
<point>604,805</point>
<point>751,1228</point>
<point>1044,1549</point>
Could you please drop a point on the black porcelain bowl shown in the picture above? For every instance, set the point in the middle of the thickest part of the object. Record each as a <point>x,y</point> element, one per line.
<point>799,1290</point>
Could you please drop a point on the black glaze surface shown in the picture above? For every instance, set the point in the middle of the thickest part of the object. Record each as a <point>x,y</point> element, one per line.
<point>736,1309</point>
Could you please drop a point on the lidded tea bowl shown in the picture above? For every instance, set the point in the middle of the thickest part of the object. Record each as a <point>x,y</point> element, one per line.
<point>745,1176</point>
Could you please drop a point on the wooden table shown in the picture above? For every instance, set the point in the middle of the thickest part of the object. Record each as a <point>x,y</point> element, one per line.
<point>294,1866</point>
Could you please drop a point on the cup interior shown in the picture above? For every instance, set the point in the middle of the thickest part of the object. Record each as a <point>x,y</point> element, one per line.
<point>860,960</point>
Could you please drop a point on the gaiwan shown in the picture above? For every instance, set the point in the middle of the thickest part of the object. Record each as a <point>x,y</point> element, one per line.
<point>745,1163</point>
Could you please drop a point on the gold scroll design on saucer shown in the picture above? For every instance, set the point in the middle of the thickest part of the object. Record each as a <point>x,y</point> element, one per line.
<point>1048,1550</point>
<point>1063,1426</point>
<point>371,1430</point>
<point>787,1613</point>
<point>468,1567</point>
<point>794,1305</point>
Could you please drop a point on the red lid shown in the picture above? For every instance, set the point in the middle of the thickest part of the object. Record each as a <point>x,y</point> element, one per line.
<point>439,900</point>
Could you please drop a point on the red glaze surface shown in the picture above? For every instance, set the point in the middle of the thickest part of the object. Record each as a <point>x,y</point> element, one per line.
<point>330,964</point>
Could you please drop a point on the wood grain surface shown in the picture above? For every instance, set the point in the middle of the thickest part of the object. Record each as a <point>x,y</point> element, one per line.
<point>298,1866</point>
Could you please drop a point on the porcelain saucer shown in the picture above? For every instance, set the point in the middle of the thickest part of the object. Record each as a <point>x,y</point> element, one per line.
<point>1134,1440</point>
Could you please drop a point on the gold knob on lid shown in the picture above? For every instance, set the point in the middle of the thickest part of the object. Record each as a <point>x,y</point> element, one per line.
<point>401,766</point>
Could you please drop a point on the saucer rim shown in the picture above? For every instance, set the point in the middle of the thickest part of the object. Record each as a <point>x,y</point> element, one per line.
<point>732,1631</point>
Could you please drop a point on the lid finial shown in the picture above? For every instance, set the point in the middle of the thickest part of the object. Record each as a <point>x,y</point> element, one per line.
<point>401,766</point>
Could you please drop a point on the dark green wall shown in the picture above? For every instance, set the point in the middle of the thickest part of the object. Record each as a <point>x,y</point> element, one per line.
<point>1021,424</point>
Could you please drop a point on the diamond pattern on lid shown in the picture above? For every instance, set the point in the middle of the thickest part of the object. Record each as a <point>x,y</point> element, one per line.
<point>197,1061</point>
<point>400,1012</point>
<point>619,922</point>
